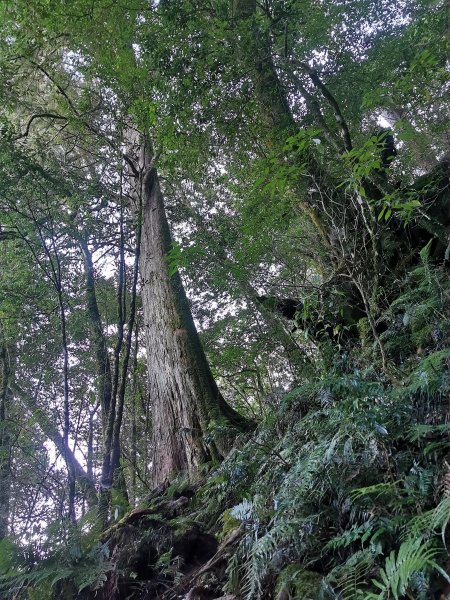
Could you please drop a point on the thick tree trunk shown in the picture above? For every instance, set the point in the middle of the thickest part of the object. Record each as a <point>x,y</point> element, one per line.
<point>185,399</point>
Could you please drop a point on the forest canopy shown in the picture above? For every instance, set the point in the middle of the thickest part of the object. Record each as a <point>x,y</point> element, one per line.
<point>224,299</point>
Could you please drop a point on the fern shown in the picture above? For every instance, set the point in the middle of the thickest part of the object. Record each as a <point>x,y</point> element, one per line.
<point>430,521</point>
<point>347,579</point>
<point>379,490</point>
<point>262,553</point>
<point>412,557</point>
<point>88,570</point>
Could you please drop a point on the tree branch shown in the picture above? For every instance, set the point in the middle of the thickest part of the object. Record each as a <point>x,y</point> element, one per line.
<point>39,116</point>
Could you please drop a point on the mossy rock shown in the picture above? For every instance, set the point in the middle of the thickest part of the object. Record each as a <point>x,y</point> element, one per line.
<point>294,581</point>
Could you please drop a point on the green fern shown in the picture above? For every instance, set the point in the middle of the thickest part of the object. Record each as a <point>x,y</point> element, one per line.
<point>412,557</point>
<point>378,490</point>
<point>430,521</point>
<point>82,570</point>
<point>262,553</point>
<point>348,579</point>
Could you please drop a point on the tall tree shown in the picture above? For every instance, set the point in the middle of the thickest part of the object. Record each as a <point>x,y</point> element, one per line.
<point>185,399</point>
<point>187,403</point>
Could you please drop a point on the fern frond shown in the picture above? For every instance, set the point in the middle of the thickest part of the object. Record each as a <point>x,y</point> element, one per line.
<point>378,490</point>
<point>348,578</point>
<point>430,521</point>
<point>413,556</point>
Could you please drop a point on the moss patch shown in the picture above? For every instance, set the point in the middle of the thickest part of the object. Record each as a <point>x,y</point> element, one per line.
<point>294,581</point>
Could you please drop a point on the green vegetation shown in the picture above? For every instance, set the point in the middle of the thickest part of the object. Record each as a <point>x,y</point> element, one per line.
<point>284,434</point>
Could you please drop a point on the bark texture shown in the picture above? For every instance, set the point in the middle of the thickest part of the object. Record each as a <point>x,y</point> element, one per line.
<point>185,398</point>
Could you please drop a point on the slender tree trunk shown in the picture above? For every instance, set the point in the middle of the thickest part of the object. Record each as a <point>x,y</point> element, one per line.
<point>5,441</point>
<point>90,447</point>
<point>101,347</point>
<point>133,425</point>
<point>112,474</point>
<point>49,428</point>
<point>107,474</point>
<point>186,402</point>
<point>115,457</point>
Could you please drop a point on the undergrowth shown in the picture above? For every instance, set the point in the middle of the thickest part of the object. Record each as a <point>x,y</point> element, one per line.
<point>349,479</point>
<point>344,490</point>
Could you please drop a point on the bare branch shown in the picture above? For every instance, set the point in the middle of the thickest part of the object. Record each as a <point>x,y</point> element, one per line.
<point>39,116</point>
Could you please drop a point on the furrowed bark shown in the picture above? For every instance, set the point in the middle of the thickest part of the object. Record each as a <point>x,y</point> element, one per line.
<point>185,399</point>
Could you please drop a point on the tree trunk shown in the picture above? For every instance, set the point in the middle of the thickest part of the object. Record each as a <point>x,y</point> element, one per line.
<point>186,402</point>
<point>99,340</point>
<point>49,429</point>
<point>5,441</point>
